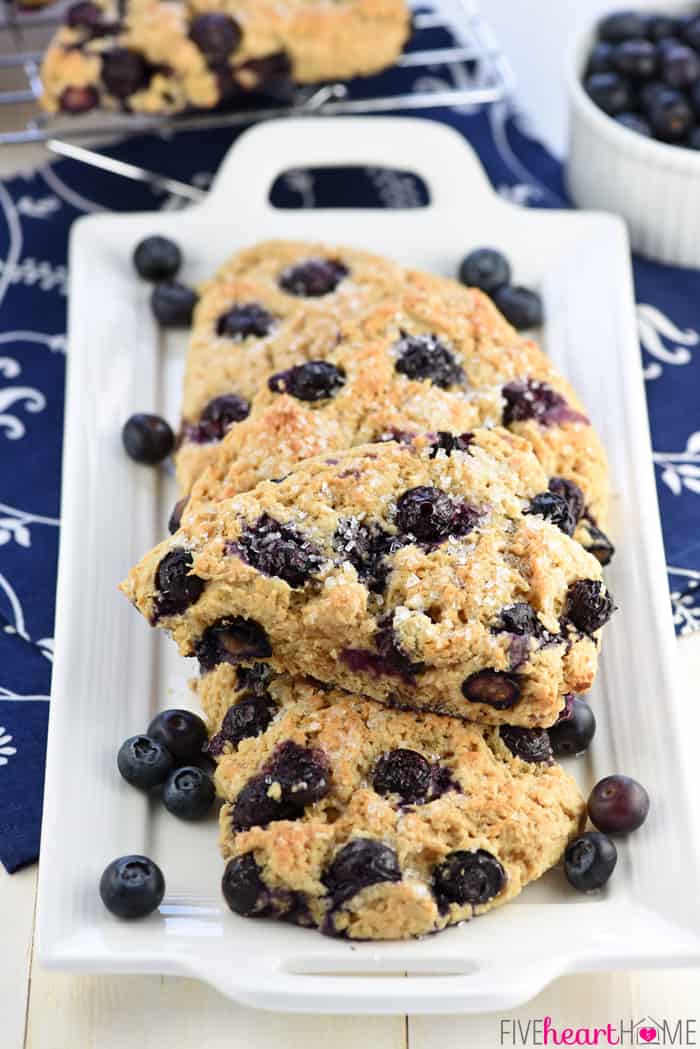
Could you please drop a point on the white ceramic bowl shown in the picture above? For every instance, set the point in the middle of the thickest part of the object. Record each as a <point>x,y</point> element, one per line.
<point>655,187</point>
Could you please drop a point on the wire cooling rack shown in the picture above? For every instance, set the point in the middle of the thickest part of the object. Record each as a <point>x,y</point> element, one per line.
<point>453,60</point>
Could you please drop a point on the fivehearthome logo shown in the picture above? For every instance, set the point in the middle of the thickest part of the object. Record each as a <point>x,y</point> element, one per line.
<point>646,1032</point>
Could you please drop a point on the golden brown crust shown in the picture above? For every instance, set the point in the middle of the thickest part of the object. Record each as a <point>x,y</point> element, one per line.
<point>481,797</point>
<point>321,42</point>
<point>417,621</point>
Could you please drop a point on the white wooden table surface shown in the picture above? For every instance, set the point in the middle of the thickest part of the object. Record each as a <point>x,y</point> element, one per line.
<point>41,1010</point>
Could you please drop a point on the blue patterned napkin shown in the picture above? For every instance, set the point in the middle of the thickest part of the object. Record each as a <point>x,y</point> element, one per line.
<point>36,212</point>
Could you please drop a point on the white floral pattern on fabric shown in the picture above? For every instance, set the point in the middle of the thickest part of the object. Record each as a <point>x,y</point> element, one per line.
<point>6,751</point>
<point>681,470</point>
<point>26,397</point>
<point>656,330</point>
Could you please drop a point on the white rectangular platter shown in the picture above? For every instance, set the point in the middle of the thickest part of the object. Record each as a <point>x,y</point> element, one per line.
<point>112,673</point>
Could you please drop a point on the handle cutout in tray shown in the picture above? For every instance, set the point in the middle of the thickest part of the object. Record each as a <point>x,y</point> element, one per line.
<point>349,186</point>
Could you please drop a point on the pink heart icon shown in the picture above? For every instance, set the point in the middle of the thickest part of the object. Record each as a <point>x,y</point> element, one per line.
<point>648,1034</point>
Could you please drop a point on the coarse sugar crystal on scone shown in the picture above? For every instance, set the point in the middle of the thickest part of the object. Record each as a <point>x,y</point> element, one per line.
<point>431,356</point>
<point>371,823</point>
<point>153,56</point>
<point>269,307</point>
<point>424,576</point>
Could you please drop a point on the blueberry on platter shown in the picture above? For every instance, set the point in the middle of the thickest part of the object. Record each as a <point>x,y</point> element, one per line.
<point>132,887</point>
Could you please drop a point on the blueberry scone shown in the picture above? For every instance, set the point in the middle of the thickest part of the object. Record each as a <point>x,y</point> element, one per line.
<point>154,56</point>
<point>435,575</point>
<point>378,824</point>
<point>270,306</point>
<point>432,356</point>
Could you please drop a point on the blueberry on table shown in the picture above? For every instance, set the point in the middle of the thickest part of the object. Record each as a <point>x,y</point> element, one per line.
<point>132,887</point>
<point>636,59</point>
<point>182,732</point>
<point>520,306</point>
<point>144,762</point>
<point>671,118</point>
<point>188,793</point>
<point>622,25</point>
<point>589,861</point>
<point>485,268</point>
<point>173,304</point>
<point>147,438</point>
<point>618,805</point>
<point>634,122</point>
<point>573,733</point>
<point>609,91</point>
<point>157,258</point>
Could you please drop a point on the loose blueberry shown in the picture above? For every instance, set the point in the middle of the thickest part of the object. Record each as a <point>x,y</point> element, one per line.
<point>450,442</point>
<point>177,586</point>
<point>485,268</point>
<point>658,27</point>
<point>313,278</point>
<point>571,493</point>
<point>520,619</point>
<point>609,91</point>
<point>690,31</point>
<point>124,72</point>
<point>132,887</point>
<point>680,66</point>
<point>495,688</point>
<point>598,544</point>
<point>182,732</point>
<point>636,59</point>
<point>216,35</point>
<point>157,258</point>
<point>244,720</point>
<point>278,550</point>
<point>144,762</point>
<point>78,99</point>
<point>622,25</point>
<point>173,304</point>
<point>468,876</point>
<point>245,320</point>
<point>634,122</point>
<point>521,307</point>
<point>573,732</point>
<point>188,793</point>
<point>236,640</point>
<point>176,515</point>
<point>243,888</point>
<point>555,509</point>
<point>601,59</point>
<point>360,863</point>
<point>589,861</point>
<point>588,605</point>
<point>618,805</point>
<point>147,438</point>
<point>528,744</point>
<point>671,118</point>
<point>403,772</point>
<point>313,381</point>
<point>424,357</point>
